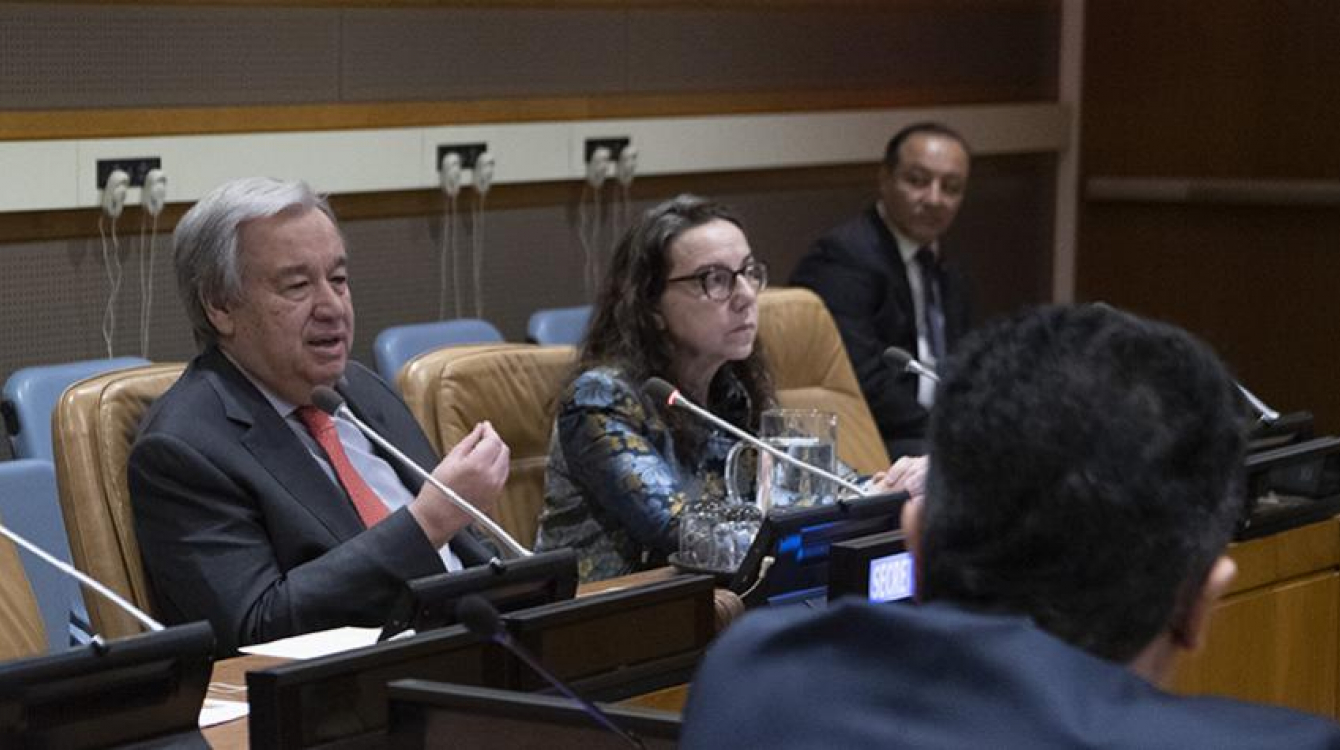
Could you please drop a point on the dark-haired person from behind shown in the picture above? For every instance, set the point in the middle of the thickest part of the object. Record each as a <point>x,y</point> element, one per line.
<point>1071,543</point>
<point>680,302</point>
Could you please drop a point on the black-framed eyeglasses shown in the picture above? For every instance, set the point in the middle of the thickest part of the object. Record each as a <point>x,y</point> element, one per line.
<point>718,282</point>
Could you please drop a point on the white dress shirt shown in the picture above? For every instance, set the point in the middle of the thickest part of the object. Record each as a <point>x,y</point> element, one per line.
<point>908,248</point>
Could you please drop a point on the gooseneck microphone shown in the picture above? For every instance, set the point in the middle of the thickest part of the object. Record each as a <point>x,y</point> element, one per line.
<point>900,360</point>
<point>481,618</point>
<point>75,573</point>
<point>1263,412</point>
<point>332,403</point>
<point>663,391</point>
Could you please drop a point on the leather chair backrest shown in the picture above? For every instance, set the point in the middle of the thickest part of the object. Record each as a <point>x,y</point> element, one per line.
<point>516,388</point>
<point>811,370</point>
<point>417,382</point>
<point>93,429</point>
<point>396,345</point>
<point>21,631</point>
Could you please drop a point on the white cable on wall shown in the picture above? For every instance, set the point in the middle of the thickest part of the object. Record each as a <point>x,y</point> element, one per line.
<point>625,172</point>
<point>447,258</point>
<point>113,203</point>
<point>111,264</point>
<point>589,224</point>
<point>155,197</point>
<point>451,175</point>
<point>484,170</point>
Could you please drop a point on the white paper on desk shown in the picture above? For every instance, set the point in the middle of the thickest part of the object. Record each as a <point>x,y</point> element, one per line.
<point>217,711</point>
<point>312,645</point>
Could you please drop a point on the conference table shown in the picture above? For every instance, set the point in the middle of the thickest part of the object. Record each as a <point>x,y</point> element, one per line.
<point>229,677</point>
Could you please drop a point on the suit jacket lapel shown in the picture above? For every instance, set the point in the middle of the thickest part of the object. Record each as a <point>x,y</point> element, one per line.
<point>892,259</point>
<point>272,443</point>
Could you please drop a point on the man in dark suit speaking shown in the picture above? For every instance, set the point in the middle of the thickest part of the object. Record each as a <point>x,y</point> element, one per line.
<point>1082,489</point>
<point>884,278</point>
<point>254,509</point>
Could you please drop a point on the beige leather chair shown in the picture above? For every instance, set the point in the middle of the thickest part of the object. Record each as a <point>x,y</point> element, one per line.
<point>417,381</point>
<point>92,430</point>
<point>21,631</point>
<point>513,386</point>
<point>811,370</point>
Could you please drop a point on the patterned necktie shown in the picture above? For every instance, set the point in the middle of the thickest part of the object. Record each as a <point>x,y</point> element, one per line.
<point>930,292</point>
<point>322,428</point>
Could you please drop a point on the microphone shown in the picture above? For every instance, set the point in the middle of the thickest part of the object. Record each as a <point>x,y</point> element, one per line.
<point>69,570</point>
<point>901,361</point>
<point>481,618</point>
<point>663,391</point>
<point>1263,412</point>
<point>332,403</point>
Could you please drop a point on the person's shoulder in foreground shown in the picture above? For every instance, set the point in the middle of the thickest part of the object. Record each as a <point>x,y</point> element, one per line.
<point>862,675</point>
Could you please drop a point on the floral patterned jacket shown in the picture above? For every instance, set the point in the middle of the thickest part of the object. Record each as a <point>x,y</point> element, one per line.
<point>614,488</point>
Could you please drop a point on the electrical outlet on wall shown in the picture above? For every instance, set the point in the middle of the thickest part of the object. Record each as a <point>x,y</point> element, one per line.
<point>603,158</point>
<point>468,152</point>
<point>135,168</point>
<point>613,147</point>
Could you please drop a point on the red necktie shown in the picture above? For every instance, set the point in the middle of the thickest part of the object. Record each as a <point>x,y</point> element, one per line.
<point>322,428</point>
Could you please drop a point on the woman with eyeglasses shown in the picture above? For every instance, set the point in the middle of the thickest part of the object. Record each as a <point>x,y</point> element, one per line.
<point>680,302</point>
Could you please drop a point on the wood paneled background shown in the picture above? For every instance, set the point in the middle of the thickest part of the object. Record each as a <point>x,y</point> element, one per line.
<point>1242,89</point>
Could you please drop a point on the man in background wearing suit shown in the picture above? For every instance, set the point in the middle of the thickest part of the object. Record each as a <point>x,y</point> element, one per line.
<point>1083,487</point>
<point>255,510</point>
<point>883,277</point>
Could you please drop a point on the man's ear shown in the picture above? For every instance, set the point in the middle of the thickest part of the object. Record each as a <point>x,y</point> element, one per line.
<point>221,317</point>
<point>911,524</point>
<point>1189,633</point>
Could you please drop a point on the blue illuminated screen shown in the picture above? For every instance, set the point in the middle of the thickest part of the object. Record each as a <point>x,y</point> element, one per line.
<point>892,577</point>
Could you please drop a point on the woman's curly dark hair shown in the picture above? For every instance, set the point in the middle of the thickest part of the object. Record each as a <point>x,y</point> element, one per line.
<point>624,332</point>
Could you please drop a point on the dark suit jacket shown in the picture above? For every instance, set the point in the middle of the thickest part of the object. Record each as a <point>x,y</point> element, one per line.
<point>858,675</point>
<point>857,270</point>
<point>239,525</point>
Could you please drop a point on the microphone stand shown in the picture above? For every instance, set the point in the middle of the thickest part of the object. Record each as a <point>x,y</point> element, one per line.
<point>1263,412</point>
<point>676,399</point>
<point>75,573</point>
<point>489,525</point>
<point>481,618</point>
<point>901,360</point>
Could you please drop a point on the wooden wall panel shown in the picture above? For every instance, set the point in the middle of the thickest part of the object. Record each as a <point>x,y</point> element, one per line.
<point>1239,88</point>
<point>1257,283</point>
<point>218,68</point>
<point>1244,89</point>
